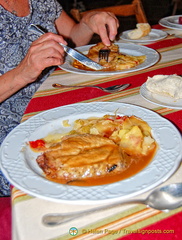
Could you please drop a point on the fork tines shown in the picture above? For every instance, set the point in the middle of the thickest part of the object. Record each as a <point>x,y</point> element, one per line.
<point>104,54</point>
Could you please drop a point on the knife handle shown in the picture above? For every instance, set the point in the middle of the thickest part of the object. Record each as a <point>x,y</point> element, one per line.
<point>35,29</point>
<point>40,32</point>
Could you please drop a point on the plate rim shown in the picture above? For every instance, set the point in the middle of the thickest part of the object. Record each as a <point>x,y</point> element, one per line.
<point>86,201</point>
<point>174,17</point>
<point>155,54</point>
<point>164,22</point>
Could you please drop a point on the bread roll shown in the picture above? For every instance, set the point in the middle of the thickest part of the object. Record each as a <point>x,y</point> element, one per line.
<point>142,30</point>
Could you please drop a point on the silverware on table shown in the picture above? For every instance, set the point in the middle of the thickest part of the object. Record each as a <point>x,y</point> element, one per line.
<point>71,52</point>
<point>104,54</point>
<point>112,89</point>
<point>174,35</point>
<point>165,198</point>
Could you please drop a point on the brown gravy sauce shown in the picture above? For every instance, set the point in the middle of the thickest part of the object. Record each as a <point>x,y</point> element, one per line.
<point>135,167</point>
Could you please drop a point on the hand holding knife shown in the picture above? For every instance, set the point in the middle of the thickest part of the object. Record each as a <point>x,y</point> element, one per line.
<point>72,52</point>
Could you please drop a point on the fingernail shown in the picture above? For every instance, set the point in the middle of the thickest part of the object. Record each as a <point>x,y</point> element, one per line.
<point>112,38</point>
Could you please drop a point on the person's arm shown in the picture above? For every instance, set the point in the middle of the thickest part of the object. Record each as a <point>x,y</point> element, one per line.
<point>102,23</point>
<point>44,52</point>
<point>10,83</point>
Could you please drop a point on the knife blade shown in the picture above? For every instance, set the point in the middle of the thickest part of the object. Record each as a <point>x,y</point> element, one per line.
<point>81,58</point>
<point>70,51</point>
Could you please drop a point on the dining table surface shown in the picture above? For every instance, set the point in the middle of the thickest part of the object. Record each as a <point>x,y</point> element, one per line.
<point>126,222</point>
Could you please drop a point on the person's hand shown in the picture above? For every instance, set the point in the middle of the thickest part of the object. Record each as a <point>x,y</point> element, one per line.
<point>104,24</point>
<point>44,52</point>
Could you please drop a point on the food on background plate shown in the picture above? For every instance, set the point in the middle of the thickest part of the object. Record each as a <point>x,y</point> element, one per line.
<point>117,61</point>
<point>142,30</point>
<point>180,20</point>
<point>166,85</point>
<point>96,151</point>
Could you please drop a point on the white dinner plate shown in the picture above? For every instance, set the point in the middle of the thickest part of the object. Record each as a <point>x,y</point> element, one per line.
<point>153,36</point>
<point>160,100</point>
<point>18,162</point>
<point>152,57</point>
<point>171,22</point>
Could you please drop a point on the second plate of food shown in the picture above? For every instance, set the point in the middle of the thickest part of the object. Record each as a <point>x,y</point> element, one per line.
<point>152,57</point>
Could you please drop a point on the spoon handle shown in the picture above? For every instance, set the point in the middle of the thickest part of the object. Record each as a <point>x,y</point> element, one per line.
<point>54,219</point>
<point>57,85</point>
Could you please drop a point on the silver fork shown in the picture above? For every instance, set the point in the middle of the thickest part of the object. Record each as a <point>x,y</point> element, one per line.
<point>104,54</point>
<point>112,89</point>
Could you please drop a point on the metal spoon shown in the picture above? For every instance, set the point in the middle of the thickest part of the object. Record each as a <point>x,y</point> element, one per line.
<point>165,198</point>
<point>112,89</point>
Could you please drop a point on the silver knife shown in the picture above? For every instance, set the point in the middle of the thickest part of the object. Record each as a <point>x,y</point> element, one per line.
<point>71,52</point>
